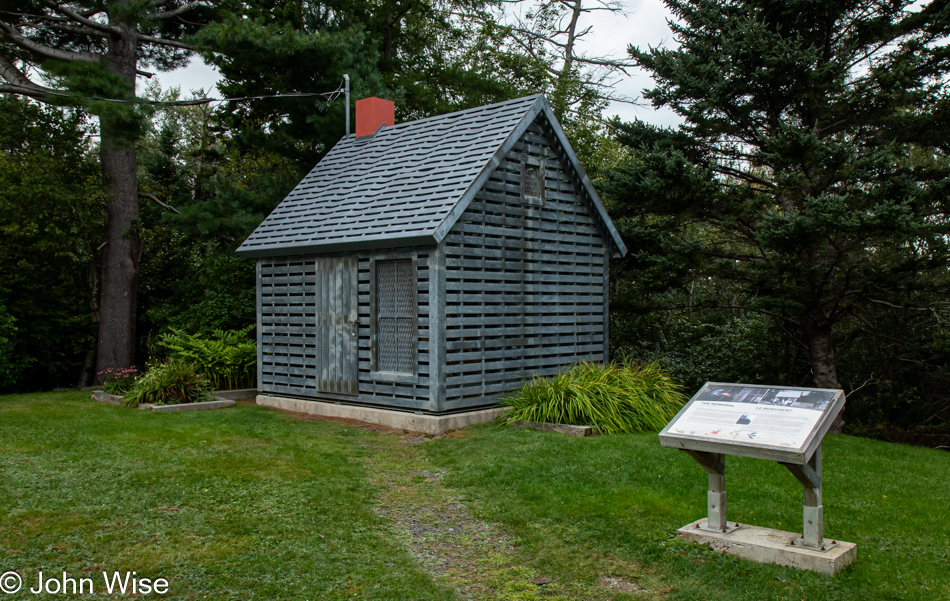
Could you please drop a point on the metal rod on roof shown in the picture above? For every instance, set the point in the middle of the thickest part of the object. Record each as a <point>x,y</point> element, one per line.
<point>346,86</point>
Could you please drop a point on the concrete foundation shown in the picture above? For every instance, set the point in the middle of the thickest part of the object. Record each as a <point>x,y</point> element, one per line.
<point>435,425</point>
<point>765,545</point>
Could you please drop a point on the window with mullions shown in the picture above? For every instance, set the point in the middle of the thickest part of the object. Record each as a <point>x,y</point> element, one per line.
<point>395,316</point>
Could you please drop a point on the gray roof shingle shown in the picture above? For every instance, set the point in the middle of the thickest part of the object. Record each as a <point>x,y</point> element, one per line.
<point>403,186</point>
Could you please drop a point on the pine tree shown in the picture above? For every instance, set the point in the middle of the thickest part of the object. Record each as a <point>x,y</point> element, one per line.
<point>95,49</point>
<point>812,158</point>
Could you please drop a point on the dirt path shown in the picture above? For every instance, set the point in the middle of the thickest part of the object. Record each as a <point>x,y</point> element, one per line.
<point>472,556</point>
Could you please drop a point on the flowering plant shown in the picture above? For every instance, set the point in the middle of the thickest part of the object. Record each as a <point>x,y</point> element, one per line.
<point>118,380</point>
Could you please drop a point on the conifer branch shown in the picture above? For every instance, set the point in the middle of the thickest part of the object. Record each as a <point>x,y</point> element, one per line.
<point>170,14</point>
<point>11,34</point>
<point>82,20</point>
<point>156,200</point>
<point>163,42</point>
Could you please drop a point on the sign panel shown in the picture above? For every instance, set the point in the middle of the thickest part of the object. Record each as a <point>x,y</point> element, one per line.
<point>768,422</point>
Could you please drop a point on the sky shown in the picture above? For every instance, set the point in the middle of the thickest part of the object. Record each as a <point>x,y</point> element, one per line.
<point>645,24</point>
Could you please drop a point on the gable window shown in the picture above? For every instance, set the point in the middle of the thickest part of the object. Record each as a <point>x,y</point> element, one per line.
<point>395,306</point>
<point>532,178</point>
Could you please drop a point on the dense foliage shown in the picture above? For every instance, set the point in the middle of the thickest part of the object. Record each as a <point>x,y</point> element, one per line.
<point>616,398</point>
<point>50,228</point>
<point>804,199</point>
<point>793,230</point>
<point>227,358</point>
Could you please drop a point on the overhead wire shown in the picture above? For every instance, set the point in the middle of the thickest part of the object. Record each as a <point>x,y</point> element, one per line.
<point>330,96</point>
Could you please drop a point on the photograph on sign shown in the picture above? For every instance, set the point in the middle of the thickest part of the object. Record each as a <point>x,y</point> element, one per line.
<point>815,400</point>
<point>752,415</point>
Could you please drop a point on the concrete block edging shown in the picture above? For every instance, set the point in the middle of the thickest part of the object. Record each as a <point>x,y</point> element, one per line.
<point>569,429</point>
<point>114,399</point>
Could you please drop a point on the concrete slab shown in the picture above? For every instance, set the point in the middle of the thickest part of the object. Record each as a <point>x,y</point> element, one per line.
<point>204,406</point>
<point>765,545</point>
<point>434,425</point>
<point>569,429</point>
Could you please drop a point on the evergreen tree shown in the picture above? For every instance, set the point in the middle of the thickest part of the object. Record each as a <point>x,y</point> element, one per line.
<point>95,49</point>
<point>51,197</point>
<point>797,174</point>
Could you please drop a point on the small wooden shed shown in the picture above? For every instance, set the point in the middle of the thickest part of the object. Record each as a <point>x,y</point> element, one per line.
<point>433,265</point>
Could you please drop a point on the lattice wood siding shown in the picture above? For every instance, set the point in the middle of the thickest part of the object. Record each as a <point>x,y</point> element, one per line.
<point>287,334</point>
<point>408,395</point>
<point>524,289</point>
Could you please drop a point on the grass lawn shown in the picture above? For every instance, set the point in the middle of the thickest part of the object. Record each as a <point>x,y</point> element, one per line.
<point>251,503</point>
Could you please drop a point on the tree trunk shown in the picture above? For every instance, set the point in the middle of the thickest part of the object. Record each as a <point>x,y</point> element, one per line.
<point>123,246</point>
<point>567,67</point>
<point>120,255</point>
<point>92,291</point>
<point>821,351</point>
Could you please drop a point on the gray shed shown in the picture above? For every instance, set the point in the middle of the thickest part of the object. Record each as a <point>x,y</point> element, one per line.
<point>434,265</point>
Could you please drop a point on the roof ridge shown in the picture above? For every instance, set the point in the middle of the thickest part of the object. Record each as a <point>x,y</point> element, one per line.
<point>527,100</point>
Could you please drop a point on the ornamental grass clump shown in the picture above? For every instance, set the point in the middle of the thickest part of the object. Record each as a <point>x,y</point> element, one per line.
<point>616,398</point>
<point>172,382</point>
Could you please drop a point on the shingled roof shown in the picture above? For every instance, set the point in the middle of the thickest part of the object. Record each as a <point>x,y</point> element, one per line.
<point>407,184</point>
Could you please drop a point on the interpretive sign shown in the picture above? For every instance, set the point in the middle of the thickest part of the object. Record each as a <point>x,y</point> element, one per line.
<point>783,424</point>
<point>766,422</point>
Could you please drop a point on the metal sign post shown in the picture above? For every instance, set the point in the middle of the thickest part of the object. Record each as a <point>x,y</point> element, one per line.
<point>809,474</point>
<point>715,464</point>
<point>785,425</point>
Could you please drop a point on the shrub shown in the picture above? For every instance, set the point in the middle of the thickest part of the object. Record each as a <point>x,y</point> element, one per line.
<point>170,383</point>
<point>118,380</point>
<point>616,398</point>
<point>228,358</point>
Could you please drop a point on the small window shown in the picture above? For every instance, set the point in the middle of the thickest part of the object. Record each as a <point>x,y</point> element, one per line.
<point>532,179</point>
<point>395,317</point>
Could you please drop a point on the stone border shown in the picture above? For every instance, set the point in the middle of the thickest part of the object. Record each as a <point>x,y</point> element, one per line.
<point>105,397</point>
<point>569,429</point>
<point>433,425</point>
<point>203,406</point>
<point>218,403</point>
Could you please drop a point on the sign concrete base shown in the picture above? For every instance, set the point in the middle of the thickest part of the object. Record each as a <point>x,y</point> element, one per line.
<point>765,545</point>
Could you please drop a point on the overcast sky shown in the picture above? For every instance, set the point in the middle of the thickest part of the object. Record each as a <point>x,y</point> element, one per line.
<point>645,25</point>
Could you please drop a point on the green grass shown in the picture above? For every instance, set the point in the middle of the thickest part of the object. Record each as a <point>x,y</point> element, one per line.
<point>249,503</point>
<point>623,497</point>
<point>237,504</point>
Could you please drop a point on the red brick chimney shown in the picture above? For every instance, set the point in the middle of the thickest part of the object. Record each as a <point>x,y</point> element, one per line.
<point>373,112</point>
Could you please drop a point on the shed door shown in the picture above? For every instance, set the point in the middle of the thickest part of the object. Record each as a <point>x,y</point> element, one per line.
<point>337,325</point>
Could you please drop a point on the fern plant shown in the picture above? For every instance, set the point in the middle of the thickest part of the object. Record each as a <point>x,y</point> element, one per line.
<point>616,398</point>
<point>228,357</point>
